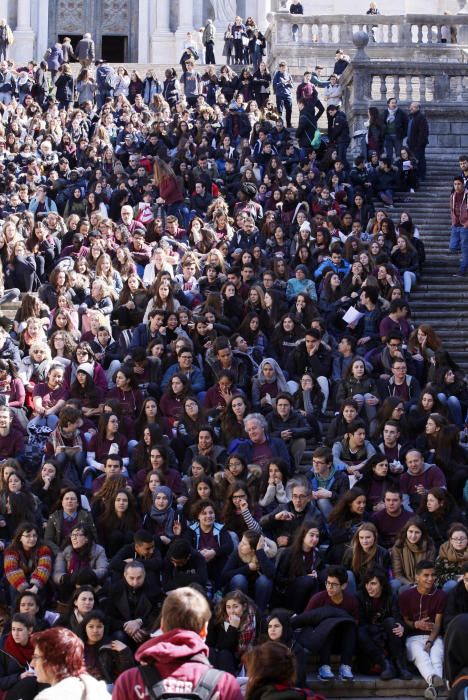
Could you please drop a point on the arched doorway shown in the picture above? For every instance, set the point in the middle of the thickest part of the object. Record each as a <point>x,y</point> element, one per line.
<point>113,25</point>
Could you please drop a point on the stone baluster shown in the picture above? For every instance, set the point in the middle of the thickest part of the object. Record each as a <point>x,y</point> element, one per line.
<point>396,86</point>
<point>459,89</point>
<point>409,88</point>
<point>420,33</point>
<point>383,88</point>
<point>422,88</point>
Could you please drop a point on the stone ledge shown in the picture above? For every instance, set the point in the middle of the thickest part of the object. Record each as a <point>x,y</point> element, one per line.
<point>370,686</point>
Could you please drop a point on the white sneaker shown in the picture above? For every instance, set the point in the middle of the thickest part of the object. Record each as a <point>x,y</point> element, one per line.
<point>430,693</point>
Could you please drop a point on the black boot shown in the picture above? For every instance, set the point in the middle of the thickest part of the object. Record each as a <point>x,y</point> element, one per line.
<point>402,669</point>
<point>388,670</point>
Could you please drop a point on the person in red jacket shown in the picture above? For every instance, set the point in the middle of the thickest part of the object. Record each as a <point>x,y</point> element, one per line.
<point>170,194</point>
<point>179,655</point>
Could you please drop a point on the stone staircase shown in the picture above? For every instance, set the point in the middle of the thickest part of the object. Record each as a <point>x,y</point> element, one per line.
<point>439,298</point>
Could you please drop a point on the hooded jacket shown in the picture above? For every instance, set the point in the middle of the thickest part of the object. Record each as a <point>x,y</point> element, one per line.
<point>172,654</point>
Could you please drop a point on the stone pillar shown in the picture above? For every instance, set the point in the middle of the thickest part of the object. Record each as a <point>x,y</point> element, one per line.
<point>4,9</point>
<point>184,25</point>
<point>41,25</point>
<point>144,29</point>
<point>162,39</point>
<point>23,48</point>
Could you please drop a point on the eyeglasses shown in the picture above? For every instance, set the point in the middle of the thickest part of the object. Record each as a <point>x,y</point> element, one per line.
<point>74,535</point>
<point>330,584</point>
<point>459,539</point>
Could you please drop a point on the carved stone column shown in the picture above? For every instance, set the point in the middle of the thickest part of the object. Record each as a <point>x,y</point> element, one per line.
<point>185,24</point>
<point>162,48</point>
<point>24,36</point>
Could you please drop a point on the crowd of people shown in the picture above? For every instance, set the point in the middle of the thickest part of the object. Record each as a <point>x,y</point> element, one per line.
<point>213,380</point>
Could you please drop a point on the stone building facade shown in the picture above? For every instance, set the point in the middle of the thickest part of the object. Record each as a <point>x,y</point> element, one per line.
<point>153,31</point>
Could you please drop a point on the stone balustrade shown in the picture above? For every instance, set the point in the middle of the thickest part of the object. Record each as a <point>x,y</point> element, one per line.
<point>407,30</point>
<point>440,88</point>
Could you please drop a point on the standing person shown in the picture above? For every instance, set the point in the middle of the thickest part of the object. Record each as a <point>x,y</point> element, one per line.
<point>422,608</point>
<point>396,123</point>
<point>341,61</point>
<point>338,132</point>
<point>282,87</point>
<point>85,50</point>
<point>417,135</point>
<point>67,50</point>
<point>208,40</point>
<point>6,38</point>
<point>7,84</point>
<point>179,655</point>
<point>296,8</point>
<point>54,57</point>
<point>459,216</point>
<point>58,659</point>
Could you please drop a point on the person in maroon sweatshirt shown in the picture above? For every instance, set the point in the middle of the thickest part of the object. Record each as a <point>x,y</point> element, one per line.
<point>179,655</point>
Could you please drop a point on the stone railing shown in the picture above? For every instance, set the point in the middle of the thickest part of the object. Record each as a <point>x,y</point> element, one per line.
<point>406,30</point>
<point>440,88</point>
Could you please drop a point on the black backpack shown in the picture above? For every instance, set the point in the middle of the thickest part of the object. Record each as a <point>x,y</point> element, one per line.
<point>204,690</point>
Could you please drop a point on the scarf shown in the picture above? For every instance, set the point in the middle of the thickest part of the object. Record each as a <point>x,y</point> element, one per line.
<point>161,515</point>
<point>307,400</point>
<point>448,552</point>
<point>57,439</point>
<point>247,634</point>
<point>411,554</point>
<point>278,374</point>
<point>391,114</point>
<point>78,561</point>
<point>22,654</point>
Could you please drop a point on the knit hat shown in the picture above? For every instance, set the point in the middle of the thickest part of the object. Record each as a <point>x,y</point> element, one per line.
<point>87,368</point>
<point>302,268</point>
<point>305,227</point>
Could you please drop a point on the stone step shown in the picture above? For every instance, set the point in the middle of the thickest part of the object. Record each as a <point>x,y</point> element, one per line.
<point>370,686</point>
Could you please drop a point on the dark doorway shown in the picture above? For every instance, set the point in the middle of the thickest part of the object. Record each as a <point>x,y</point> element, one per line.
<point>74,38</point>
<point>114,48</point>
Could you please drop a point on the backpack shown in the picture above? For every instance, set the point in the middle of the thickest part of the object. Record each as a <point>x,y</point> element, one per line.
<point>110,80</point>
<point>194,52</point>
<point>204,690</point>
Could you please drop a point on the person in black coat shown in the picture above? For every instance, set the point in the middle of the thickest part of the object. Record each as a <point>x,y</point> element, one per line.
<point>65,87</point>
<point>456,657</point>
<point>306,126</point>
<point>457,600</point>
<point>396,123</point>
<point>183,566</point>
<point>418,137</point>
<point>129,608</point>
<point>250,570</point>
<point>381,630</point>
<point>143,549</point>
<point>338,132</point>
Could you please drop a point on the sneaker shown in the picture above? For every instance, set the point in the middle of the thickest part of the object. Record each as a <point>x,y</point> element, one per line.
<point>346,673</point>
<point>430,693</point>
<point>411,191</point>
<point>325,673</point>
<point>437,681</point>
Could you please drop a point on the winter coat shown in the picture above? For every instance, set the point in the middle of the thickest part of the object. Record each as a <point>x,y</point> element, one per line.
<point>54,527</point>
<point>83,687</point>
<point>172,654</point>
<point>318,624</point>
<point>97,562</point>
<point>55,57</point>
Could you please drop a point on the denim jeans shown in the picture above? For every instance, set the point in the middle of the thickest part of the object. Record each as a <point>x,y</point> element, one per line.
<point>464,250</point>
<point>454,407</point>
<point>286,103</point>
<point>263,588</point>
<point>409,279</point>
<point>455,238</point>
<point>392,143</point>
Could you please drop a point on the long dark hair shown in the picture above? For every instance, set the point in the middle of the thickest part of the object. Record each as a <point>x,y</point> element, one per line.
<point>296,566</point>
<point>342,510</point>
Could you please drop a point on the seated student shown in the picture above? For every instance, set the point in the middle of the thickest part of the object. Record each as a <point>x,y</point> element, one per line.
<point>260,447</point>
<point>27,562</point>
<point>82,554</point>
<point>206,447</point>
<point>343,521</point>
<point>422,608</point>
<point>105,658</point>
<point>291,426</point>
<point>233,630</point>
<point>113,466</point>
<point>66,445</point>
<point>119,520</point>
<point>142,549</point>
<point>210,538</point>
<point>402,384</point>
<point>455,657</point>
<point>300,568</point>
<point>362,554</point>
<point>419,478</point>
<point>360,386</point>
<point>376,478</point>
<point>457,600</point>
<point>129,608</point>
<point>69,515</point>
<point>353,450</point>
<point>439,512</point>
<point>250,568</point>
<point>412,545</point>
<point>16,652</point>
<point>161,520</point>
<point>81,602</point>
<point>453,554</point>
<point>279,630</point>
<point>380,633</point>
<point>391,518</point>
<point>282,523</point>
<point>183,566</point>
<point>329,624</point>
<point>328,483</point>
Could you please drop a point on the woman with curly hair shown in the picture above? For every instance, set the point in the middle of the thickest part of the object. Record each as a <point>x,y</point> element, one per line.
<point>62,346</point>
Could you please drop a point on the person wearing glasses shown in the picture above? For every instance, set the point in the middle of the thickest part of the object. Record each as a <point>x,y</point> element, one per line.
<point>58,660</point>
<point>453,555</point>
<point>329,625</point>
